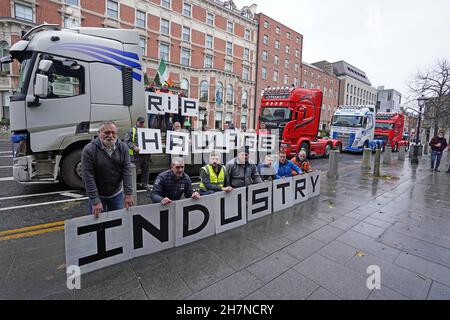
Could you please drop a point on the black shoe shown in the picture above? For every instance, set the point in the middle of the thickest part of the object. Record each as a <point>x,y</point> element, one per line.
<point>448,171</point>
<point>437,170</point>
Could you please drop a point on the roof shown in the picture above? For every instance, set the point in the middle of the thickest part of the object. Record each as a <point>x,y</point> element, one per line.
<point>342,68</point>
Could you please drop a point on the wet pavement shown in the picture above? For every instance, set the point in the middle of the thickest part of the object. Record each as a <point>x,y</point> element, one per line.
<point>320,249</point>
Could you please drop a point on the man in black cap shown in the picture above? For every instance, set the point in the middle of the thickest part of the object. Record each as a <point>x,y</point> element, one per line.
<point>140,160</point>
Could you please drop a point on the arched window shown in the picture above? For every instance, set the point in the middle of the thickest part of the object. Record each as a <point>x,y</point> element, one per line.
<point>230,93</point>
<point>219,93</point>
<point>185,86</point>
<point>4,51</point>
<point>244,100</point>
<point>204,91</point>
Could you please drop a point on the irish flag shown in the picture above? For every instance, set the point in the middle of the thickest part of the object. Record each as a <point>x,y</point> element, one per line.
<point>163,72</point>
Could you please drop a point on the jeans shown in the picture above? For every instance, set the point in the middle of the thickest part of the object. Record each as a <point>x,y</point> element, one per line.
<point>435,156</point>
<point>110,204</point>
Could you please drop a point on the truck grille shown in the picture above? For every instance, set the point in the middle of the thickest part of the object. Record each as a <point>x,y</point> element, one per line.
<point>346,139</point>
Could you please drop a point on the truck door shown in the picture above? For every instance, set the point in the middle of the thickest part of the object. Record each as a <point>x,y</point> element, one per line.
<point>66,105</point>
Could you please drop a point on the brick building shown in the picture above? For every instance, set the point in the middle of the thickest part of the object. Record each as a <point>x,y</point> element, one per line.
<point>209,46</point>
<point>314,77</point>
<point>279,55</point>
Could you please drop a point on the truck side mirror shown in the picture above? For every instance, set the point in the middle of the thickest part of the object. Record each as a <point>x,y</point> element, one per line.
<point>41,86</point>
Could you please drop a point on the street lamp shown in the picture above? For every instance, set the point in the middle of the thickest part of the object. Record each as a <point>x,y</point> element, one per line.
<point>417,145</point>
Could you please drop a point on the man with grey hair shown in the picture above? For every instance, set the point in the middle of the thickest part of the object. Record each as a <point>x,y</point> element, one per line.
<point>170,185</point>
<point>107,172</point>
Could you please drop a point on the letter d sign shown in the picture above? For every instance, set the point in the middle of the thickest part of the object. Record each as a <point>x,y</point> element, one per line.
<point>73,277</point>
<point>374,280</point>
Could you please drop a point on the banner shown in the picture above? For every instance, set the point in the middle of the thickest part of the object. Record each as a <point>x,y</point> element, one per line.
<point>149,141</point>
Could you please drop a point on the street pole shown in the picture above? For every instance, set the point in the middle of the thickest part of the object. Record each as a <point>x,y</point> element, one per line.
<point>417,146</point>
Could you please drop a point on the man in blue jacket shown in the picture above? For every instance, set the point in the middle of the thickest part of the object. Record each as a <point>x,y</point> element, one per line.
<point>285,167</point>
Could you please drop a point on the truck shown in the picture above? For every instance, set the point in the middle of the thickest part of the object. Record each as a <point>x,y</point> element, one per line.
<point>294,113</point>
<point>355,127</point>
<point>389,128</point>
<point>72,80</point>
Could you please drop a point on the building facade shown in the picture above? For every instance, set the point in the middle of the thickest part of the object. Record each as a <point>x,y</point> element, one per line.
<point>279,56</point>
<point>388,100</point>
<point>316,78</point>
<point>209,46</point>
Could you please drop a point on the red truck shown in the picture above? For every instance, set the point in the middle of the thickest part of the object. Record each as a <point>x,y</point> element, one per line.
<point>295,114</point>
<point>389,128</point>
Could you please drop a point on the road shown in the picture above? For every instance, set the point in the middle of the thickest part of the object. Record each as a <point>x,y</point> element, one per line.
<point>29,209</point>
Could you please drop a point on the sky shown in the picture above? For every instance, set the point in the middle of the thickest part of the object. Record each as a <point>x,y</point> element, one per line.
<point>390,40</point>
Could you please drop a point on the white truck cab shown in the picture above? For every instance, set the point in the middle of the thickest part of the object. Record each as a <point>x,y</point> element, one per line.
<point>355,127</point>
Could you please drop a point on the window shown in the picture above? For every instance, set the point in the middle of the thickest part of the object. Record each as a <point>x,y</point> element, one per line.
<point>218,120</point>
<point>286,79</point>
<point>112,9</point>
<point>277,30</point>
<point>229,48</point>
<point>209,41</point>
<point>246,54</point>
<point>230,94</point>
<point>348,87</point>
<point>318,77</point>
<point>305,72</point>
<point>186,34</point>
<point>140,19</point>
<point>230,27</point>
<point>246,73</point>
<point>23,12</point>
<point>185,57</point>
<point>4,51</point>
<point>286,64</point>
<point>295,82</point>
<point>247,34</point>
<point>297,53</point>
<point>204,91</point>
<point>277,60</point>
<point>275,76</point>
<point>297,41</point>
<point>265,55</point>
<point>208,61</point>
<point>266,39</point>
<point>187,9</point>
<point>305,84</point>
<point>71,2</point>
<point>266,24</point>
<point>228,66</point>
<point>164,51</point>
<point>165,26</point>
<point>71,22</point>
<point>184,84</point>
<point>296,67</point>
<point>264,73</point>
<point>219,93</point>
<point>318,86</point>
<point>244,99</point>
<point>243,121</point>
<point>288,35</point>
<point>288,49</point>
<point>210,19</point>
<point>142,45</point>
<point>165,3</point>
<point>277,44</point>
<point>64,82</point>
<point>311,86</point>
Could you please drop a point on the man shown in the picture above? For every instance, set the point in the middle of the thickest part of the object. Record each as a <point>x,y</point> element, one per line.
<point>266,169</point>
<point>213,177</point>
<point>300,161</point>
<point>107,172</point>
<point>285,167</point>
<point>438,145</point>
<point>241,171</point>
<point>170,185</point>
<point>140,160</point>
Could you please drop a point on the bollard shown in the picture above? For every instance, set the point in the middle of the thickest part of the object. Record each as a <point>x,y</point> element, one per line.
<point>134,182</point>
<point>376,166</point>
<point>425,149</point>
<point>333,164</point>
<point>387,155</point>
<point>367,153</point>
<point>401,153</point>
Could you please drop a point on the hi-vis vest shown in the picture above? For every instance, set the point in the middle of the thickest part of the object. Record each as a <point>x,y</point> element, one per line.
<point>218,180</point>
<point>133,137</point>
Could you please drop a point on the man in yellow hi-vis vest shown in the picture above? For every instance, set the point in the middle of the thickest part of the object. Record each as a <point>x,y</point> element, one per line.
<point>140,160</point>
<point>213,176</point>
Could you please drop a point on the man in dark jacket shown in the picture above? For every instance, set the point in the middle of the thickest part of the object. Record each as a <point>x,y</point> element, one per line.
<point>107,172</point>
<point>170,185</point>
<point>438,145</point>
<point>242,172</point>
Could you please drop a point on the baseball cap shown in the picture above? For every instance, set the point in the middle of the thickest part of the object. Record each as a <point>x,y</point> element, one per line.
<point>141,119</point>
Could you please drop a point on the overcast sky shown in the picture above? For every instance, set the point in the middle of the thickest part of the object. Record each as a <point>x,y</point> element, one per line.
<point>390,40</point>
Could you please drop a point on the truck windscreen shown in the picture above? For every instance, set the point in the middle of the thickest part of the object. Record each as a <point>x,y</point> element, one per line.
<point>347,121</point>
<point>384,126</point>
<point>275,114</point>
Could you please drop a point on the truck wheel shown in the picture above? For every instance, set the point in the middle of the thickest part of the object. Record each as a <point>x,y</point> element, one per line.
<point>305,146</point>
<point>328,148</point>
<point>71,170</point>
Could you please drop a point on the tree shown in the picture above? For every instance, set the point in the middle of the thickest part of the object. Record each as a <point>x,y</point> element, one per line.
<point>434,84</point>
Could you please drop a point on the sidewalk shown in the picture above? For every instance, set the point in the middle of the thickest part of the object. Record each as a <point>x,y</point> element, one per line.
<point>317,250</point>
